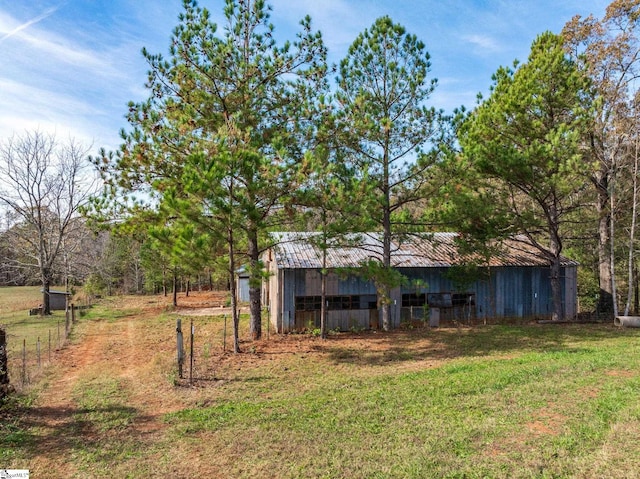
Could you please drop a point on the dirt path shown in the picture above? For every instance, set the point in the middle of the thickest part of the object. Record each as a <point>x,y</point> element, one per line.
<point>64,427</point>
<point>101,411</point>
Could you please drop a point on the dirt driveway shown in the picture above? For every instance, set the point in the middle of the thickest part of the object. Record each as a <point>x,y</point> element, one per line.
<point>65,421</point>
<point>101,409</point>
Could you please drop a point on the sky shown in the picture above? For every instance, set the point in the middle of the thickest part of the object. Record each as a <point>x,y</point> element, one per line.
<point>70,67</point>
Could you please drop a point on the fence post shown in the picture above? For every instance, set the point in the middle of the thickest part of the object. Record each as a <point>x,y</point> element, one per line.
<point>73,313</point>
<point>191,365</point>
<point>180,344</point>
<point>4,364</point>
<point>67,325</point>
<point>224,334</point>
<point>24,362</point>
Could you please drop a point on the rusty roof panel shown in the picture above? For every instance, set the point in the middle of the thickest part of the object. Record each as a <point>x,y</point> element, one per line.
<point>298,251</point>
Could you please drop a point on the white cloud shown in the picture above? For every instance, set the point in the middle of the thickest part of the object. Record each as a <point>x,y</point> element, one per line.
<point>42,99</point>
<point>37,45</point>
<point>340,21</point>
<point>9,31</point>
<point>73,66</point>
<point>59,79</point>
<point>28,108</point>
<point>486,43</point>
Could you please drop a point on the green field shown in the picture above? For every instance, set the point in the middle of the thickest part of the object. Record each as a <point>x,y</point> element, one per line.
<point>24,331</point>
<point>510,402</point>
<point>502,401</point>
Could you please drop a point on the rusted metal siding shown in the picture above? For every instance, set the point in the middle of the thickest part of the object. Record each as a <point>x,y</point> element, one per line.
<point>518,285</point>
<point>522,292</point>
<point>303,282</point>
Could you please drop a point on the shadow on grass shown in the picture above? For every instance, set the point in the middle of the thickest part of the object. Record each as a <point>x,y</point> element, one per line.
<point>378,348</point>
<point>103,434</point>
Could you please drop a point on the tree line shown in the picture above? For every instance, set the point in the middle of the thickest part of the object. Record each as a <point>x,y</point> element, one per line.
<point>241,135</point>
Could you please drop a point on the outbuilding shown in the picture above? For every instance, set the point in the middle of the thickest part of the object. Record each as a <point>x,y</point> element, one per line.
<point>58,300</point>
<point>513,283</point>
<point>242,284</point>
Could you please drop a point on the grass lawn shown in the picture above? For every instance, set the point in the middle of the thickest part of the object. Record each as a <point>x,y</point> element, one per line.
<point>24,330</point>
<point>528,401</point>
<point>504,402</point>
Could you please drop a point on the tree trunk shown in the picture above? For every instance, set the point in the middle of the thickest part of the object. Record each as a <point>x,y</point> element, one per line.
<point>605,298</point>
<point>614,299</point>
<point>255,282</point>
<point>632,233</point>
<point>234,294</point>
<point>175,290</point>
<point>557,313</point>
<point>555,245</point>
<point>636,289</point>
<point>235,315</point>
<point>323,292</point>
<point>386,264</point>
<point>46,299</point>
<point>386,243</point>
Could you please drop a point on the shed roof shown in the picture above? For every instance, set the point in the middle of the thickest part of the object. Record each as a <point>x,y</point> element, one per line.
<point>297,250</point>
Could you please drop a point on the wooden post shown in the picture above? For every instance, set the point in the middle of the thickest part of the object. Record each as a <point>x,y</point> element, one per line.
<point>67,325</point>
<point>191,365</point>
<point>24,362</point>
<point>4,363</point>
<point>180,344</point>
<point>73,313</point>
<point>224,334</point>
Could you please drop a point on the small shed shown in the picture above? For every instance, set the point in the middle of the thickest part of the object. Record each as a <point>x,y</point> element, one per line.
<point>514,283</point>
<point>58,300</point>
<point>242,284</point>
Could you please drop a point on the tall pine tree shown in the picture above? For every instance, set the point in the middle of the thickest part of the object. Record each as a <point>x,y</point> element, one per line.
<point>236,100</point>
<point>526,142</point>
<point>382,92</point>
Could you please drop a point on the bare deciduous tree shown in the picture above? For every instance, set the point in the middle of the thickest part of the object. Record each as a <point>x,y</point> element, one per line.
<point>42,186</point>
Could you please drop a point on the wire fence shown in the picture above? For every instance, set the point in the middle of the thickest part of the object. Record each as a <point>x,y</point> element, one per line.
<point>194,352</point>
<point>202,342</point>
<point>23,359</point>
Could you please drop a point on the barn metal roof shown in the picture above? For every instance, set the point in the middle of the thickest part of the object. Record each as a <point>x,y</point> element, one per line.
<point>299,251</point>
